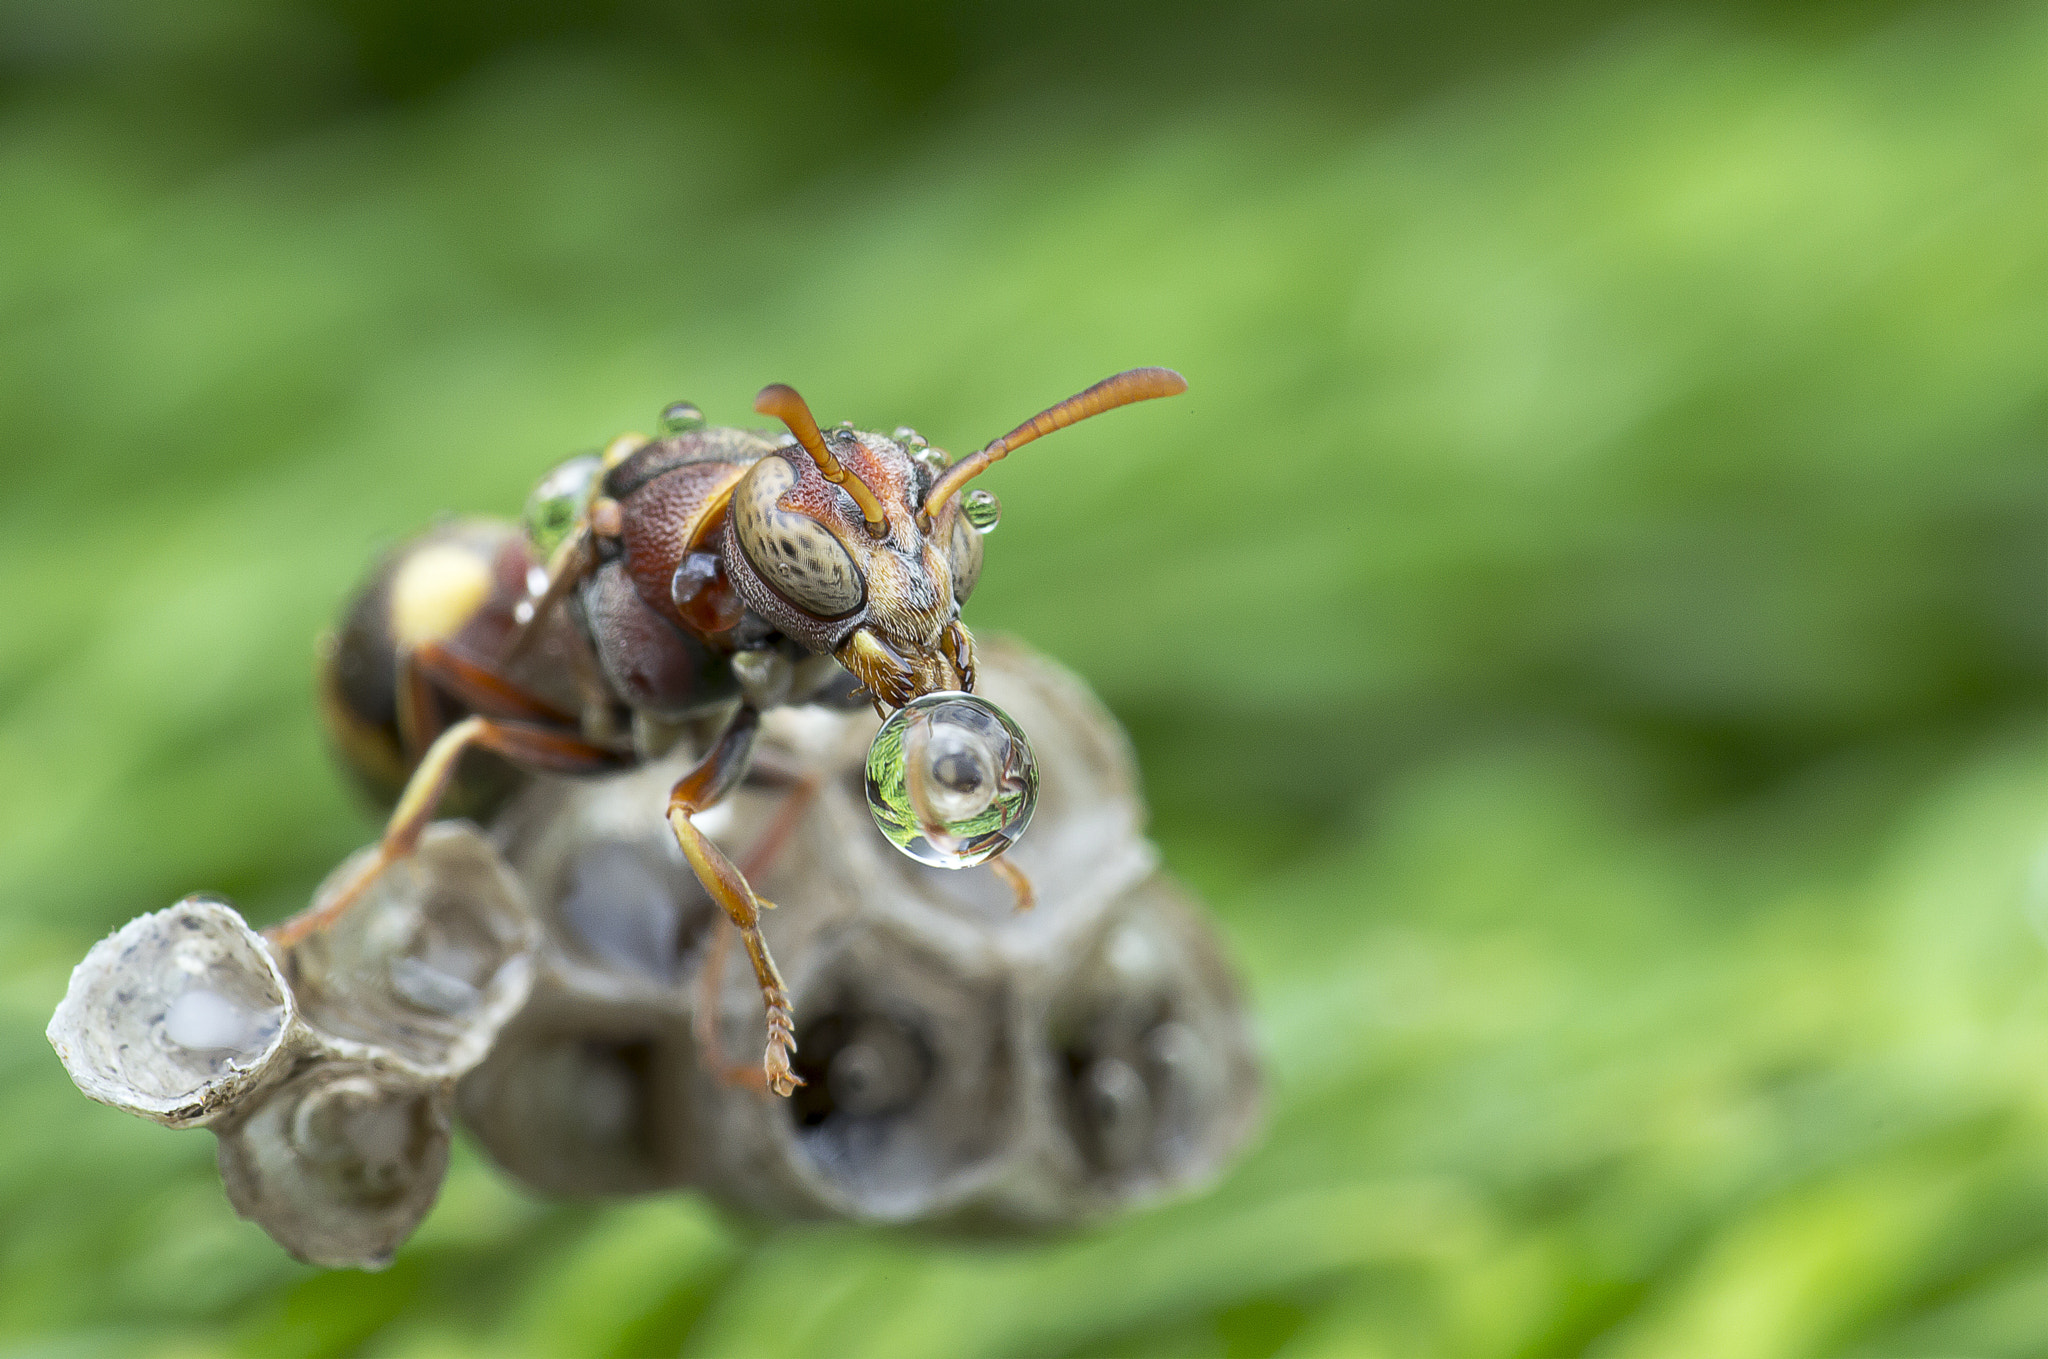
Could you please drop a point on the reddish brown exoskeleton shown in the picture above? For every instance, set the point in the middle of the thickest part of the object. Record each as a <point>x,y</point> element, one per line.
<point>707,571</point>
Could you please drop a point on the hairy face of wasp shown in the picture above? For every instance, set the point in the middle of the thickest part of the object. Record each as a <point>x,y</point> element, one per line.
<point>809,560</point>
<point>857,546</point>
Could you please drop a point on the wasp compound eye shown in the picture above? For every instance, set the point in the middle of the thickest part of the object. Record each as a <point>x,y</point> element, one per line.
<point>964,554</point>
<point>795,555</point>
<point>951,780</point>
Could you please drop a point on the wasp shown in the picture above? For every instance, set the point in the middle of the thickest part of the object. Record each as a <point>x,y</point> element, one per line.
<point>702,576</point>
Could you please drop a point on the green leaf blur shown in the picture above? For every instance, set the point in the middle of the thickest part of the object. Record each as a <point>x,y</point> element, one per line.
<point>1584,627</point>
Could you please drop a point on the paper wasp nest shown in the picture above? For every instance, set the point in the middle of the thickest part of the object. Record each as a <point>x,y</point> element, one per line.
<point>560,987</point>
<point>326,1068</point>
<point>965,1064</point>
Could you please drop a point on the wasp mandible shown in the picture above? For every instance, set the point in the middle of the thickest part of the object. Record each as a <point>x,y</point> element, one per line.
<point>660,581</point>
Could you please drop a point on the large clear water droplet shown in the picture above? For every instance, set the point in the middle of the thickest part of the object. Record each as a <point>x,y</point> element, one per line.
<point>681,417</point>
<point>951,780</point>
<point>553,508</point>
<point>982,509</point>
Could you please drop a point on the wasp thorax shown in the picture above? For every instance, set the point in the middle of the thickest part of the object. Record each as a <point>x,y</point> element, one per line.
<point>951,780</point>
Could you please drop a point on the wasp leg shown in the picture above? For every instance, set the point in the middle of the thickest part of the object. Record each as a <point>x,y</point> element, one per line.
<point>803,788</point>
<point>700,789</point>
<point>482,689</point>
<point>1020,886</point>
<point>531,747</point>
<point>419,712</point>
<point>431,669</point>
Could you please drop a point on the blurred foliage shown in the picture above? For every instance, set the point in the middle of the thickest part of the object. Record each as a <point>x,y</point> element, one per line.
<point>1584,627</point>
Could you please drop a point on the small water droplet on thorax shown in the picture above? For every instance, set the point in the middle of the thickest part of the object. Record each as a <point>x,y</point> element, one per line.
<point>557,502</point>
<point>681,417</point>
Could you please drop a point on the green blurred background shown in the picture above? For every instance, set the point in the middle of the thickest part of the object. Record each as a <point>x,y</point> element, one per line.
<point>1584,627</point>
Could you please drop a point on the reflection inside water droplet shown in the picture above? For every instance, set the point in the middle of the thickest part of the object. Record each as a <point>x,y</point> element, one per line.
<point>556,503</point>
<point>951,780</point>
<point>681,417</point>
<point>982,509</point>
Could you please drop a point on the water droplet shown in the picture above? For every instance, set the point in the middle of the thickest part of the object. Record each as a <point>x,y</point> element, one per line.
<point>558,501</point>
<point>207,1021</point>
<point>910,438</point>
<point>933,460</point>
<point>681,417</point>
<point>982,509</point>
<point>702,594</point>
<point>951,780</point>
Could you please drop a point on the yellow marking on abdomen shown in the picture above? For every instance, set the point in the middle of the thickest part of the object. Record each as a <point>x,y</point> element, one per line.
<point>436,591</point>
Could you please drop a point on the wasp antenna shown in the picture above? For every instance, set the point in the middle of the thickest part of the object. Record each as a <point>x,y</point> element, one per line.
<point>1136,384</point>
<point>780,400</point>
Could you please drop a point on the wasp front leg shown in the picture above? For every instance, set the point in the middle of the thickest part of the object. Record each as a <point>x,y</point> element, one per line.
<point>699,790</point>
<point>960,647</point>
<point>803,787</point>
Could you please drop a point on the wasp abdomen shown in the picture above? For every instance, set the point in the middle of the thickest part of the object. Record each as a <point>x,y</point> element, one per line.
<point>457,584</point>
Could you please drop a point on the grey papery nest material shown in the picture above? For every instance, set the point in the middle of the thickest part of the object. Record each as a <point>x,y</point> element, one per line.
<point>967,1065</point>
<point>326,1069</point>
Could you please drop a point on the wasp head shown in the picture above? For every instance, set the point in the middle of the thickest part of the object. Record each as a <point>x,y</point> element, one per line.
<point>861,544</point>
